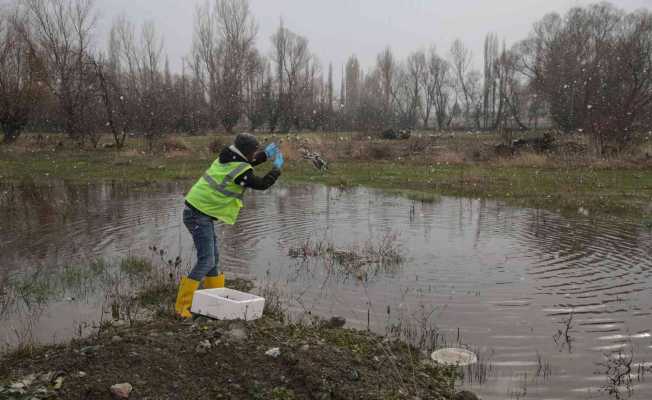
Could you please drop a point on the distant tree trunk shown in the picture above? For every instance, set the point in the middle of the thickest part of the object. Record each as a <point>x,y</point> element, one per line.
<point>11,133</point>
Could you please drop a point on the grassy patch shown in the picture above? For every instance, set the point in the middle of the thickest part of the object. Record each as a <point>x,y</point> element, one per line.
<point>433,168</point>
<point>647,223</point>
<point>600,190</point>
<point>135,266</point>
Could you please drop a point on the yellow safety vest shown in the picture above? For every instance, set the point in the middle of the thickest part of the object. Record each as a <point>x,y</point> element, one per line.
<point>215,194</point>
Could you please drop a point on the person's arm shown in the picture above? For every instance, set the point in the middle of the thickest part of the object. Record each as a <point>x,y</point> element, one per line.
<point>259,158</point>
<point>251,181</point>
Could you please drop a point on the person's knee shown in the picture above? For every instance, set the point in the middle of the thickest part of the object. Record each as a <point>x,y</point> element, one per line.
<point>206,260</point>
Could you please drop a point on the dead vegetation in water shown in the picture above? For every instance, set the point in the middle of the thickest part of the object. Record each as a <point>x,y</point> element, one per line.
<point>621,372</point>
<point>386,251</point>
<point>618,371</point>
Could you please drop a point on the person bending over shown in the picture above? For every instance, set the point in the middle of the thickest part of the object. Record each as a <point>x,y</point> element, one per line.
<point>217,196</point>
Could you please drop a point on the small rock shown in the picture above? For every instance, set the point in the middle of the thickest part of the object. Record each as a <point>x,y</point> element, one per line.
<point>465,395</point>
<point>58,383</point>
<point>17,386</point>
<point>28,380</point>
<point>355,375</point>
<point>274,324</point>
<point>169,334</point>
<point>121,390</point>
<point>153,334</point>
<point>335,322</point>
<point>237,334</point>
<point>116,339</point>
<point>81,374</point>
<point>89,349</point>
<point>273,352</point>
<point>290,359</point>
<point>203,347</point>
<point>47,377</point>
<point>305,347</point>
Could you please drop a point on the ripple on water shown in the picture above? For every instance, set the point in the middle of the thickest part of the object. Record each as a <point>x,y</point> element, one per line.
<point>504,279</point>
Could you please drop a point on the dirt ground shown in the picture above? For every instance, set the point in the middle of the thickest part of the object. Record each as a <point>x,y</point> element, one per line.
<point>206,359</point>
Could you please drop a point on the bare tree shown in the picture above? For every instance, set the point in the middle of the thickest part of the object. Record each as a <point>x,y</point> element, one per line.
<point>236,32</point>
<point>223,41</point>
<point>329,98</point>
<point>353,77</point>
<point>20,75</point>
<point>371,105</point>
<point>257,90</point>
<point>292,60</point>
<point>593,68</point>
<point>119,104</point>
<point>61,33</point>
<point>490,80</point>
<point>461,61</point>
<point>510,91</point>
<point>138,80</point>
<point>386,67</point>
<point>416,68</point>
<point>428,81</point>
<point>404,94</point>
<point>439,71</point>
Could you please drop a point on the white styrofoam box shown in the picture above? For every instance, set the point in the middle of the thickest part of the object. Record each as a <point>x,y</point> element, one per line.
<point>227,304</point>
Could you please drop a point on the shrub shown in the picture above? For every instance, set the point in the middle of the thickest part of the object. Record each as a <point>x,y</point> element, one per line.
<point>379,151</point>
<point>172,144</point>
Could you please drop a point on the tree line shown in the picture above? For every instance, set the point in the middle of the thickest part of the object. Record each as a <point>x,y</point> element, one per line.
<point>588,71</point>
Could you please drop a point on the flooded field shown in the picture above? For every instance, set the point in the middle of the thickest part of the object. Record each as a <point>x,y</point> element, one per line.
<point>555,307</point>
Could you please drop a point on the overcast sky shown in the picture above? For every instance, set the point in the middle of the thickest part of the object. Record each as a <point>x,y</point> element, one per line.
<point>338,28</point>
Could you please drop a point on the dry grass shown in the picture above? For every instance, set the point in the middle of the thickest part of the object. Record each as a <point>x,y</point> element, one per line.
<point>457,149</point>
<point>450,157</point>
<point>525,160</point>
<point>175,144</point>
<point>452,148</point>
<point>217,144</point>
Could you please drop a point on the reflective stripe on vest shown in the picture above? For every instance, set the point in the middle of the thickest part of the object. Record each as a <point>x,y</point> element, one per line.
<point>216,194</point>
<point>221,187</point>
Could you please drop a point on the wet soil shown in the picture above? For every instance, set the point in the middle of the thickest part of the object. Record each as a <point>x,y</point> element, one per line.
<point>168,358</point>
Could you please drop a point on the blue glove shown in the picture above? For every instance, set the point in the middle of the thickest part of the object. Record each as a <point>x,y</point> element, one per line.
<point>278,162</point>
<point>271,151</point>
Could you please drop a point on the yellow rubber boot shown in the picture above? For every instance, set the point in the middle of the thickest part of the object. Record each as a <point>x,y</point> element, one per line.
<point>187,288</point>
<point>214,282</point>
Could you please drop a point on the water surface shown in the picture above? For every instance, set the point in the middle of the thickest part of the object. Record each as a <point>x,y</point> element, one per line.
<point>544,299</point>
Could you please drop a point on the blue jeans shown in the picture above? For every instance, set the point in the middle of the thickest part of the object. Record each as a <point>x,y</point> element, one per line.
<point>202,229</point>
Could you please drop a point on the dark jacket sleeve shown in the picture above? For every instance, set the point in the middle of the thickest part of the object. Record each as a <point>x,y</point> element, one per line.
<point>251,181</point>
<point>259,158</point>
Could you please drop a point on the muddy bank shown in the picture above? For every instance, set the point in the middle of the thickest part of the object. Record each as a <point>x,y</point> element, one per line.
<point>167,358</point>
<point>204,359</point>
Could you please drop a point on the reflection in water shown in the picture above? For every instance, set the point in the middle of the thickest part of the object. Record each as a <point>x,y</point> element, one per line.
<point>542,297</point>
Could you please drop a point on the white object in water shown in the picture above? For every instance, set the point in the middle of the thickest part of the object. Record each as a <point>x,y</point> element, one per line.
<point>227,304</point>
<point>454,356</point>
